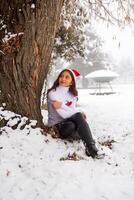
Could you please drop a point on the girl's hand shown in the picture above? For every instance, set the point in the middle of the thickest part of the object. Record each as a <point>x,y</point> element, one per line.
<point>56,104</point>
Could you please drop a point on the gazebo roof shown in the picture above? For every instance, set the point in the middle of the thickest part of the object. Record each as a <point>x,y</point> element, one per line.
<point>102,75</point>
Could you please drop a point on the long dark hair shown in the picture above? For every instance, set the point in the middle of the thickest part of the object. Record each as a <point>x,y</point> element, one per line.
<point>72,88</point>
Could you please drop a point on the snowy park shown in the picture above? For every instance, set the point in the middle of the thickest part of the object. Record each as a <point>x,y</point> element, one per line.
<point>35,166</point>
<point>66,68</point>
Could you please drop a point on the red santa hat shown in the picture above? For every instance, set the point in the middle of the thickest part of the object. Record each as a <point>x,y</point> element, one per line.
<point>74,72</point>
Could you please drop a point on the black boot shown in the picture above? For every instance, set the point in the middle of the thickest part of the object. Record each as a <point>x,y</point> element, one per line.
<point>91,150</point>
<point>94,153</point>
<point>85,134</point>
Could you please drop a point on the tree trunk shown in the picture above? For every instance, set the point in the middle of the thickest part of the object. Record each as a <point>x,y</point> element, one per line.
<point>25,63</point>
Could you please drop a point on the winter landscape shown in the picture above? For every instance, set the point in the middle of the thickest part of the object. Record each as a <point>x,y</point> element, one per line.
<point>35,166</point>
<point>38,39</point>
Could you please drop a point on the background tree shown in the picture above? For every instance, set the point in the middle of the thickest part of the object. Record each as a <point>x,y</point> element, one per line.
<point>78,42</point>
<point>94,57</point>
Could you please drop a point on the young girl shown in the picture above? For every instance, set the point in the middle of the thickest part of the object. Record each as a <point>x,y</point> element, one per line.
<point>63,113</point>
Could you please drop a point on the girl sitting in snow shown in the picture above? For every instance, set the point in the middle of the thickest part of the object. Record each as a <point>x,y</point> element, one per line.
<point>63,113</point>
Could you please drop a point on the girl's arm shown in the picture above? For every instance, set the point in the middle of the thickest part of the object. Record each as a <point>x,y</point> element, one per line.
<point>58,104</point>
<point>64,109</point>
<point>68,109</point>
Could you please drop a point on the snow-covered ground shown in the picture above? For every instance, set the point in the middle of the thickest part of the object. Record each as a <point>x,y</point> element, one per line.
<point>34,166</point>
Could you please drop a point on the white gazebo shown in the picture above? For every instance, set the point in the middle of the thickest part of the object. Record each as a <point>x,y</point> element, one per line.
<point>100,77</point>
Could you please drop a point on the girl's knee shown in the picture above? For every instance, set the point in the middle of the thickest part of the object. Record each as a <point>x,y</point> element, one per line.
<point>78,116</point>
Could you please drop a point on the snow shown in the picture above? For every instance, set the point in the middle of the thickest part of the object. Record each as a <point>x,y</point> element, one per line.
<point>9,36</point>
<point>31,166</point>
<point>2,52</point>
<point>33,5</point>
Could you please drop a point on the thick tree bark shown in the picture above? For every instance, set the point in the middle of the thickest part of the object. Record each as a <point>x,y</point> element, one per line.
<point>25,64</point>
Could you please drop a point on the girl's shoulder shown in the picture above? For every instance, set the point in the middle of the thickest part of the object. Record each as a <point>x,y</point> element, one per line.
<point>51,91</point>
<point>52,94</point>
<point>75,98</point>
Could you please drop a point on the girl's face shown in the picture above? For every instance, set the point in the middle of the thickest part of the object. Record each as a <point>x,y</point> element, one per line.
<point>65,79</point>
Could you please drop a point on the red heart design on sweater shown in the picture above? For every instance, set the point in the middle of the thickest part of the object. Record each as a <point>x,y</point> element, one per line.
<point>68,103</point>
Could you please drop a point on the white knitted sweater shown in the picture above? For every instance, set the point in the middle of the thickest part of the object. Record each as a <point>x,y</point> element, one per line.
<point>67,109</point>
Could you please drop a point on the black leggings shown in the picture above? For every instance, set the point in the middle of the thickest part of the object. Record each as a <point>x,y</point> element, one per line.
<point>77,126</point>
<point>68,130</point>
